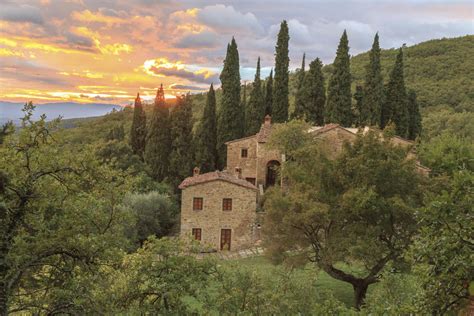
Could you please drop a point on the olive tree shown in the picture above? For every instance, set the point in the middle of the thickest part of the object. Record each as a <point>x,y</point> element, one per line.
<point>350,215</point>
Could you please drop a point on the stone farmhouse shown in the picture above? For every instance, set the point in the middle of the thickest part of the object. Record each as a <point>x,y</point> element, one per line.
<point>220,208</point>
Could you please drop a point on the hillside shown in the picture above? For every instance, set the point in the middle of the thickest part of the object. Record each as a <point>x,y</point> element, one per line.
<point>440,71</point>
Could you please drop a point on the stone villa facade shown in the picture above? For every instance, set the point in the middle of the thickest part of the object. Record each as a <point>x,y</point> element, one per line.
<point>220,208</point>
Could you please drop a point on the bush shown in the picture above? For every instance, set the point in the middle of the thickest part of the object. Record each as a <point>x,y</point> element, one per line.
<point>155,214</point>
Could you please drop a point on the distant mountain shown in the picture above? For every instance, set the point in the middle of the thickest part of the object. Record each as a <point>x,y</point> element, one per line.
<point>11,111</point>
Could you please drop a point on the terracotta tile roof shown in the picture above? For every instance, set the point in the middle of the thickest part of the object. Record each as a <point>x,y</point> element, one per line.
<point>324,129</point>
<point>213,176</point>
<point>239,139</point>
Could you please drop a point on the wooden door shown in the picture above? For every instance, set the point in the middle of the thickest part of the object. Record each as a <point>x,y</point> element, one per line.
<point>226,237</point>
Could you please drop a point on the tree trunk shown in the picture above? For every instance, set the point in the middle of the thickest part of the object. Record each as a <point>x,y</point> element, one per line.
<point>360,290</point>
<point>360,285</point>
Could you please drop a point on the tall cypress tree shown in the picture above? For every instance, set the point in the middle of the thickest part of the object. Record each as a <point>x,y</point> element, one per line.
<point>181,156</point>
<point>373,88</point>
<point>230,122</point>
<point>314,94</point>
<point>299,101</point>
<point>339,103</point>
<point>255,111</point>
<point>414,117</point>
<point>280,86</point>
<point>243,102</point>
<point>269,94</point>
<point>138,130</point>
<point>206,135</point>
<point>359,97</point>
<point>395,106</point>
<point>158,146</point>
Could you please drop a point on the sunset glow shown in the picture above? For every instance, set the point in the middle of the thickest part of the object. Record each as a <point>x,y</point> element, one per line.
<point>92,51</point>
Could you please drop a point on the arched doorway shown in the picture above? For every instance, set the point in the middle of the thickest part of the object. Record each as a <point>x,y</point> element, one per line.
<point>272,172</point>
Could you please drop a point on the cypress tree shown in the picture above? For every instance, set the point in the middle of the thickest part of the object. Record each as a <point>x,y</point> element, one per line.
<point>255,111</point>
<point>314,94</point>
<point>158,146</point>
<point>138,130</point>
<point>181,156</point>
<point>414,117</point>
<point>359,97</point>
<point>230,122</point>
<point>280,88</point>
<point>338,109</point>
<point>206,150</point>
<point>299,101</point>
<point>373,88</point>
<point>395,106</point>
<point>269,94</point>
<point>243,102</point>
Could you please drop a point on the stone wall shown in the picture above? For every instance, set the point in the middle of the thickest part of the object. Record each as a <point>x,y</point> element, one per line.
<point>248,165</point>
<point>334,140</point>
<point>264,156</point>
<point>211,219</point>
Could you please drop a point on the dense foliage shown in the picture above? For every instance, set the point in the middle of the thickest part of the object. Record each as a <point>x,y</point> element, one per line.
<point>59,219</point>
<point>357,207</point>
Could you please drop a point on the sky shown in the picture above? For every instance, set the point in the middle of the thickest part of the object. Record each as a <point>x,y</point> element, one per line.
<point>105,51</point>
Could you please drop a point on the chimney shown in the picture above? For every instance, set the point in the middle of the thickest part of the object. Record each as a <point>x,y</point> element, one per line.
<point>268,120</point>
<point>196,171</point>
<point>238,172</point>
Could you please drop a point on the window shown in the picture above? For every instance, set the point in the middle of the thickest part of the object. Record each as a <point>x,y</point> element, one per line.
<point>251,180</point>
<point>197,204</point>
<point>244,153</point>
<point>197,233</point>
<point>227,204</point>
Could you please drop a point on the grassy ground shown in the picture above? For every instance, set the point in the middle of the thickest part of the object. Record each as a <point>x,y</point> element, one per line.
<point>340,290</point>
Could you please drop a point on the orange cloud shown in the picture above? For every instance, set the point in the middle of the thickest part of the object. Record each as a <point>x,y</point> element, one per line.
<point>88,16</point>
<point>10,52</point>
<point>162,67</point>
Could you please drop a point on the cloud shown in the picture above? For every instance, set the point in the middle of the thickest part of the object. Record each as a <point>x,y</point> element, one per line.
<point>226,18</point>
<point>199,77</point>
<point>24,71</point>
<point>176,86</point>
<point>79,41</point>
<point>90,39</point>
<point>205,39</point>
<point>21,13</point>
<point>299,33</point>
<point>88,16</point>
<point>161,67</point>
